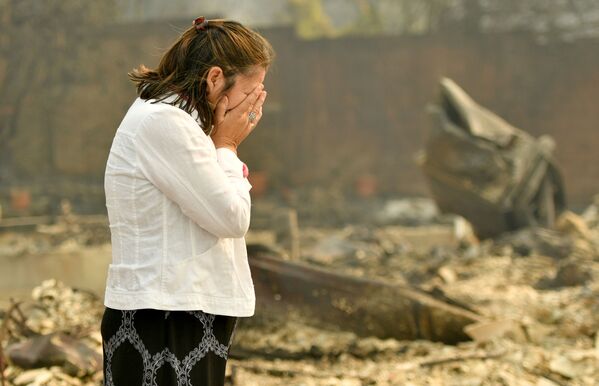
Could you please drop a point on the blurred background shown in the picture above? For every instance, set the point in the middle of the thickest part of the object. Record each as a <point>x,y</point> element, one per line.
<point>347,94</point>
<point>347,169</point>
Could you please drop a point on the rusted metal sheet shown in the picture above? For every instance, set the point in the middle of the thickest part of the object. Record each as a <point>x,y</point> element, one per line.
<point>364,306</point>
<point>479,166</point>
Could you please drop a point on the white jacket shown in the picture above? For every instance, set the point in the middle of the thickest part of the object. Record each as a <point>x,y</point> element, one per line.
<point>178,210</point>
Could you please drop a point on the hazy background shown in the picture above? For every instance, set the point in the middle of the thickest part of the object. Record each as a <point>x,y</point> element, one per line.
<point>346,112</point>
<point>336,187</point>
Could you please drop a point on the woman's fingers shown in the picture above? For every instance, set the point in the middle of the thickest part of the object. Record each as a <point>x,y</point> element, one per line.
<point>246,105</point>
<point>233,126</point>
<point>254,123</point>
<point>257,108</point>
<point>259,102</point>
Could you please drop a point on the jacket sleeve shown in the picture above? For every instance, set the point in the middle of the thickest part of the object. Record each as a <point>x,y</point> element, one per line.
<point>177,157</point>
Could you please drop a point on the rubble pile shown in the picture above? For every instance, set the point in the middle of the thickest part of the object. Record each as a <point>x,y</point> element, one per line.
<point>479,166</point>
<point>61,236</point>
<point>537,290</point>
<point>54,338</point>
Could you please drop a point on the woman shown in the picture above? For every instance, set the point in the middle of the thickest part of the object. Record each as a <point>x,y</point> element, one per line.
<point>179,206</point>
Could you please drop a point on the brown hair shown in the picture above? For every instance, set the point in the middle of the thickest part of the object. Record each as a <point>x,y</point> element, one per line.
<point>184,67</point>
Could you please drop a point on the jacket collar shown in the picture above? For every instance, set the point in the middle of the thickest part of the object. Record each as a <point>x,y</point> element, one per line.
<point>171,99</point>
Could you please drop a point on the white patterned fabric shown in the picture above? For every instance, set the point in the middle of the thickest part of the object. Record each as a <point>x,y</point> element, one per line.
<point>153,362</point>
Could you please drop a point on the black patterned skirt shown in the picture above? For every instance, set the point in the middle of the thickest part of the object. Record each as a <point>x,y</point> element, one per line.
<point>149,347</point>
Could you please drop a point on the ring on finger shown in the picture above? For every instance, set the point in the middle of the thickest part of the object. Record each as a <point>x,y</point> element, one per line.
<point>252,116</point>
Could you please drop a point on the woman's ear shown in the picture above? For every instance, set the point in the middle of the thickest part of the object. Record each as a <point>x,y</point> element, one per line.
<point>215,82</point>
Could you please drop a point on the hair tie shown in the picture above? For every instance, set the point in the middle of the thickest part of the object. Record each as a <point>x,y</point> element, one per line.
<point>200,23</point>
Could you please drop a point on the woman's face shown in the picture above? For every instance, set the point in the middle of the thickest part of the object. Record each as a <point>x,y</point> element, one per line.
<point>242,86</point>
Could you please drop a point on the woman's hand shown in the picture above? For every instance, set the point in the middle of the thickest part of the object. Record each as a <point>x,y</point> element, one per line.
<point>233,126</point>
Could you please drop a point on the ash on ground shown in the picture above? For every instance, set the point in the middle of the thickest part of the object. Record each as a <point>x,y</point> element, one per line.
<point>539,287</point>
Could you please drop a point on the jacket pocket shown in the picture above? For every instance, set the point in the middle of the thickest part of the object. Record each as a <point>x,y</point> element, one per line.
<point>209,273</point>
<point>123,277</point>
